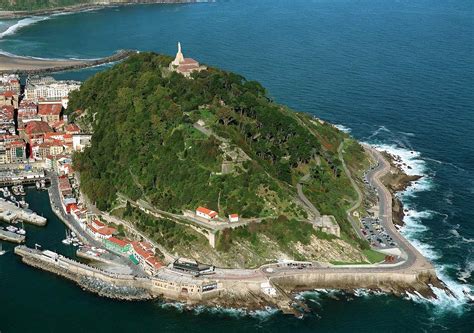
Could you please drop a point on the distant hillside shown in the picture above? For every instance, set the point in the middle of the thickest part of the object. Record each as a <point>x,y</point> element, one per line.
<point>215,140</point>
<point>44,5</point>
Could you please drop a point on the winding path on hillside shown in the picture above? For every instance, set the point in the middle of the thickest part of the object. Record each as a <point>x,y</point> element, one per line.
<point>358,201</point>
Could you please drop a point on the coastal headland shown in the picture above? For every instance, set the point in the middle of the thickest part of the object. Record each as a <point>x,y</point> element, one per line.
<point>257,235</point>
<point>243,287</point>
<point>11,64</point>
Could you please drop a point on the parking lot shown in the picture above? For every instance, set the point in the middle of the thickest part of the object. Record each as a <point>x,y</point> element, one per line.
<point>375,233</point>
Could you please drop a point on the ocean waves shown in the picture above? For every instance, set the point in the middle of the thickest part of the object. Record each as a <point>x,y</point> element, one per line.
<point>422,236</point>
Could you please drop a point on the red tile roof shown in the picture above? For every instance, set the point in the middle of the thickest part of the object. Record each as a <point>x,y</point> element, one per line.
<point>119,242</point>
<point>207,211</point>
<point>70,128</point>
<point>234,215</point>
<point>154,262</point>
<point>53,109</point>
<point>37,127</point>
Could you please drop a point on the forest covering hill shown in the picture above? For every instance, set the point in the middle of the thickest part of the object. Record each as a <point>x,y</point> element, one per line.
<point>215,140</point>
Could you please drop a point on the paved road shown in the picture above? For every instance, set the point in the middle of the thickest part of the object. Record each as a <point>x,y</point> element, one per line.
<point>73,225</point>
<point>412,256</point>
<point>303,198</point>
<point>355,224</point>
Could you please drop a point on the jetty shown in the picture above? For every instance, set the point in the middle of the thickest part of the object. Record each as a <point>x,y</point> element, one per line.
<point>11,237</point>
<point>9,212</point>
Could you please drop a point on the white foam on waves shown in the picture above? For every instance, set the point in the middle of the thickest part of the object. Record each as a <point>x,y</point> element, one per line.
<point>411,163</point>
<point>343,128</point>
<point>21,24</point>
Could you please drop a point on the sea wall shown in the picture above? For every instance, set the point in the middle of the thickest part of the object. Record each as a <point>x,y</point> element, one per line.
<point>392,282</point>
<point>112,285</point>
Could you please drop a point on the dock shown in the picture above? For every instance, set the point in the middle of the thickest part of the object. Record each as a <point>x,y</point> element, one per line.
<point>10,212</point>
<point>17,177</point>
<point>9,236</point>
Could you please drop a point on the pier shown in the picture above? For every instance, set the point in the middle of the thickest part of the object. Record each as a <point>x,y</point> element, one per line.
<point>8,236</point>
<point>10,178</point>
<point>9,212</point>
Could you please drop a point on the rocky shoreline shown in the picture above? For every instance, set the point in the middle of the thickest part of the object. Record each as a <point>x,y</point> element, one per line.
<point>83,7</point>
<point>397,181</point>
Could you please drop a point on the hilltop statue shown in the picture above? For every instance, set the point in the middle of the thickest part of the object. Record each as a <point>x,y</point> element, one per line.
<point>179,56</point>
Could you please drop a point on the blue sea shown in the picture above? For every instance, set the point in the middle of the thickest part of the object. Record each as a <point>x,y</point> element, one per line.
<point>397,74</point>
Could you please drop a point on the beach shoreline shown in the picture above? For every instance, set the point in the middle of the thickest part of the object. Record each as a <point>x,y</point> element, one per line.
<point>7,14</point>
<point>12,64</point>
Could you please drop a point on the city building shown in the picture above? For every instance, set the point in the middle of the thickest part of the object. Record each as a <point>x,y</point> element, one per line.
<point>12,151</point>
<point>27,110</point>
<point>50,112</point>
<point>10,82</point>
<point>99,230</point>
<point>8,98</point>
<point>206,213</point>
<point>185,66</point>
<point>80,141</point>
<point>48,89</point>
<point>117,245</point>
<point>143,253</point>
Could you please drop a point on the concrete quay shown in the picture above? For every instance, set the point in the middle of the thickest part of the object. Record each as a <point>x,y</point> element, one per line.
<point>11,237</point>
<point>165,284</point>
<point>10,212</point>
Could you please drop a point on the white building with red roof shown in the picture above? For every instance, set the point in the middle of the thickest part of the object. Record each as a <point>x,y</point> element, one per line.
<point>206,213</point>
<point>99,230</point>
<point>233,217</point>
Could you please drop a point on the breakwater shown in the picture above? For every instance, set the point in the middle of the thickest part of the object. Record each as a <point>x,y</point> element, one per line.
<point>121,286</point>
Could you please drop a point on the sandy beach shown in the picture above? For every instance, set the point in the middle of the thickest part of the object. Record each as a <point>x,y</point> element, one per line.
<point>25,65</point>
<point>12,63</point>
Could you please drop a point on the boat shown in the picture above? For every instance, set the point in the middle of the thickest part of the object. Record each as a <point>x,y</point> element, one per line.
<point>2,251</point>
<point>67,240</point>
<point>23,204</point>
<point>21,189</point>
<point>13,199</point>
<point>38,185</point>
<point>12,228</point>
<point>73,234</point>
<point>21,231</point>
<point>15,190</point>
<point>75,244</point>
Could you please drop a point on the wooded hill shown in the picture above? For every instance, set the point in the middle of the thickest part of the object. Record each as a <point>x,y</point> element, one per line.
<point>246,156</point>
